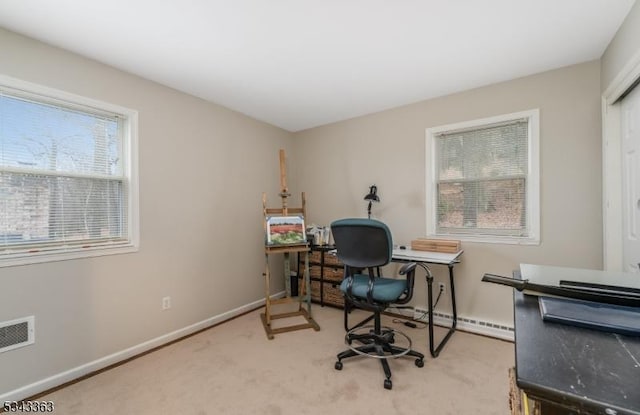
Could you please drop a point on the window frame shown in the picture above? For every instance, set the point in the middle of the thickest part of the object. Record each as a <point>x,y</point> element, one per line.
<point>532,180</point>
<point>59,251</point>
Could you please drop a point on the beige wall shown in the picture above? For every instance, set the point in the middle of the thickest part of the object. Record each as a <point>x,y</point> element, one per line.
<point>203,169</point>
<point>337,163</point>
<point>624,46</point>
<point>204,247</point>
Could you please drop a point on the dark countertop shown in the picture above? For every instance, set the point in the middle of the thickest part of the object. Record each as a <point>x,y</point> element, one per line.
<point>583,369</point>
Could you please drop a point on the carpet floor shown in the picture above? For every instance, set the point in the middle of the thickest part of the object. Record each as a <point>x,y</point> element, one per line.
<point>234,369</point>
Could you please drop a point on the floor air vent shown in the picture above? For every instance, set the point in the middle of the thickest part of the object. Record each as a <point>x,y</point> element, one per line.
<point>16,333</point>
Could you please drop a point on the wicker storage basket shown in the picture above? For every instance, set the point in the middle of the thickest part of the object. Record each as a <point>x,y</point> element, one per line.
<point>333,295</point>
<point>329,259</point>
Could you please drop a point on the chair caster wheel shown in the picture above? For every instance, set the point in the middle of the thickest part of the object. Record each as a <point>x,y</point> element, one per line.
<point>387,384</point>
<point>419,362</point>
<point>338,366</point>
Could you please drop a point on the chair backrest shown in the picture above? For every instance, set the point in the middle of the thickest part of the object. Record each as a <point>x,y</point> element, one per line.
<point>362,243</point>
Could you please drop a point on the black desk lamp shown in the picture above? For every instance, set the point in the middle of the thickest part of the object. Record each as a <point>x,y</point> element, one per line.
<point>372,196</point>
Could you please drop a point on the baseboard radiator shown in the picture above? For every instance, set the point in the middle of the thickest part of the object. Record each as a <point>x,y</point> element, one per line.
<point>486,328</point>
<point>472,325</point>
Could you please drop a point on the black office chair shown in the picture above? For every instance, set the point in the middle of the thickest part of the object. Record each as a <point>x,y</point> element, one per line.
<point>365,245</point>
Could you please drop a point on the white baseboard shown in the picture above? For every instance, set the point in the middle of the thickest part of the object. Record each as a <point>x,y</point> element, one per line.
<point>90,367</point>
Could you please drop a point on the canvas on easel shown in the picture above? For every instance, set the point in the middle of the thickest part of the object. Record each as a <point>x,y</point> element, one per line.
<point>285,230</point>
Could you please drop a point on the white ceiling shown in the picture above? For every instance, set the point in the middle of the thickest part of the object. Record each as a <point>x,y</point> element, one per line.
<point>302,63</point>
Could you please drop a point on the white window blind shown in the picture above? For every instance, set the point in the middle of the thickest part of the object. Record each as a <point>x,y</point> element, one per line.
<point>482,182</point>
<point>63,181</point>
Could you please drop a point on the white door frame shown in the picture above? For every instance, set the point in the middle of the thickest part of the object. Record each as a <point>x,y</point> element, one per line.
<point>612,164</point>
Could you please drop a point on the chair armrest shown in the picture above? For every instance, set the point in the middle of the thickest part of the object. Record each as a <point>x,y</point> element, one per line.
<point>408,269</point>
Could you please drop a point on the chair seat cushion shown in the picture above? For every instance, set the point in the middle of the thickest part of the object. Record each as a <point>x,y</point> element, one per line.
<point>385,290</point>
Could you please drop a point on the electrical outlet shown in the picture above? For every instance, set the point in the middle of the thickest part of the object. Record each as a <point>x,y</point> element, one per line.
<point>442,287</point>
<point>166,303</point>
<point>420,314</point>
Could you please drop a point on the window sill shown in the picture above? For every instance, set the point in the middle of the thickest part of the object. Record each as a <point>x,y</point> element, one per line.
<point>487,239</point>
<point>28,258</point>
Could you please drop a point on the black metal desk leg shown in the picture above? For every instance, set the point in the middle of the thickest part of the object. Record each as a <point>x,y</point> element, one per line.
<point>453,297</point>
<point>430,306</point>
<point>435,351</point>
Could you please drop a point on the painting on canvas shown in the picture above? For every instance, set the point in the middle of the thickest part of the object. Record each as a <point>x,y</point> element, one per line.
<point>285,230</point>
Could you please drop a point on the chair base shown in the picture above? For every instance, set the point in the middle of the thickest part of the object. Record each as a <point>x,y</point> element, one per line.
<point>378,344</point>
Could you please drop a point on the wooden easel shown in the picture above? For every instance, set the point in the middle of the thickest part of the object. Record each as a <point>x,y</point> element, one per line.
<point>305,298</point>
